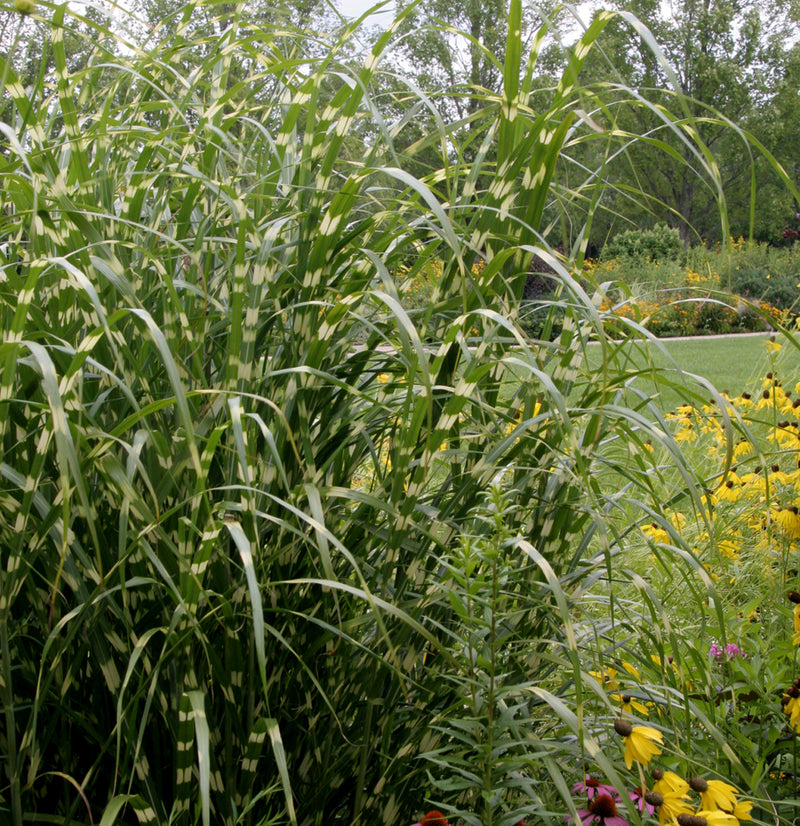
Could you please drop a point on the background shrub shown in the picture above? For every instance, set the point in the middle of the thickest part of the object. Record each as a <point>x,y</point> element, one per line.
<point>714,317</point>
<point>661,243</point>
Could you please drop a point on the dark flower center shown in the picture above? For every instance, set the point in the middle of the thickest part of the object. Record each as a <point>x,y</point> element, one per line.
<point>603,806</point>
<point>698,784</point>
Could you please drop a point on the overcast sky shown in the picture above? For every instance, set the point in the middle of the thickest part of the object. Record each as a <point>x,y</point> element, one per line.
<point>353,8</point>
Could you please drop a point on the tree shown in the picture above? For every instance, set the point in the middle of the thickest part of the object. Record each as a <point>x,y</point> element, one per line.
<point>729,58</point>
<point>461,58</point>
<point>26,50</point>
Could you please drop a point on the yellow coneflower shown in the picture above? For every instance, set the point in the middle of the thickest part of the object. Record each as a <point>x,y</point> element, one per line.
<point>669,664</point>
<point>717,817</point>
<point>607,678</point>
<point>714,794</point>
<point>673,806</point>
<point>730,548</point>
<point>796,614</point>
<point>730,490</point>
<point>778,476</point>
<point>629,705</point>
<point>766,400</point>
<point>674,802</point>
<point>669,782</point>
<point>631,669</point>
<point>655,532</point>
<point>686,433</point>
<point>791,706</point>
<point>641,742</point>
<point>789,521</point>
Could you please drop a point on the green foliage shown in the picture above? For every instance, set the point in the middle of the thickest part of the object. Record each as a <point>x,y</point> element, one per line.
<point>485,738</point>
<point>661,243</point>
<point>239,475</point>
<point>717,318</point>
<point>758,272</point>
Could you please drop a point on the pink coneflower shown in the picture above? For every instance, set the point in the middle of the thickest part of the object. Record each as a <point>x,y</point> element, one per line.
<point>602,809</point>
<point>591,788</point>
<point>640,801</point>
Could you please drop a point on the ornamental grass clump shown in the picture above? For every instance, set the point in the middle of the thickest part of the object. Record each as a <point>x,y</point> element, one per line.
<point>240,472</point>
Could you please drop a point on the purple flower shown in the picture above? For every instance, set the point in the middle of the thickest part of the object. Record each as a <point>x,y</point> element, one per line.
<point>641,804</point>
<point>730,652</point>
<point>591,788</point>
<point>603,810</point>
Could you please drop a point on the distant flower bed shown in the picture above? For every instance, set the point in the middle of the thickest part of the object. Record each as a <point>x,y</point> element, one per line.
<point>747,288</point>
<point>673,314</point>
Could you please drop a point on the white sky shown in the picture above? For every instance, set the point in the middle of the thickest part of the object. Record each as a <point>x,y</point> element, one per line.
<point>353,8</point>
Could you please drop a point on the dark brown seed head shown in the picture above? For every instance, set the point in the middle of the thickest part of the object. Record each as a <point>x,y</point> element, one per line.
<point>654,798</point>
<point>691,820</point>
<point>794,597</point>
<point>603,806</point>
<point>623,728</point>
<point>698,784</point>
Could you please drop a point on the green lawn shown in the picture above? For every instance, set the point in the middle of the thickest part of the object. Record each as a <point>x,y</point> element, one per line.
<point>732,363</point>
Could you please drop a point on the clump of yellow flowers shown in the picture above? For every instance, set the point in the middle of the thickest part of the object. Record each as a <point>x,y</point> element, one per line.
<point>716,803</point>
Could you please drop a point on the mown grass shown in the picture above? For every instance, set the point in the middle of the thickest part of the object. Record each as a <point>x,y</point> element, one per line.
<point>734,364</point>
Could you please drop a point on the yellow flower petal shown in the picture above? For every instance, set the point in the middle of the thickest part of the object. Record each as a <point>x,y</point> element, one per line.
<point>641,746</point>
